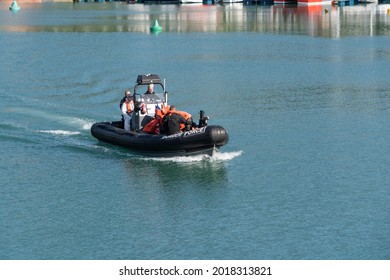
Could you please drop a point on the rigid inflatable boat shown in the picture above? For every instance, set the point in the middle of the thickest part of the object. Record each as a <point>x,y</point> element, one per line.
<point>194,139</point>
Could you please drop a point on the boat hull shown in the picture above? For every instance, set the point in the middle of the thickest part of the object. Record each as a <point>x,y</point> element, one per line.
<point>204,140</point>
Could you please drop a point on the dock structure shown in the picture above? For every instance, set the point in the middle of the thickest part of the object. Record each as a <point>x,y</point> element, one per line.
<point>299,2</point>
<point>314,2</point>
<point>245,2</point>
<point>345,2</point>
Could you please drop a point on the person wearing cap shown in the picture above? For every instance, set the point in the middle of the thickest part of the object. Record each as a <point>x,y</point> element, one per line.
<point>150,89</point>
<point>127,108</point>
<point>127,92</point>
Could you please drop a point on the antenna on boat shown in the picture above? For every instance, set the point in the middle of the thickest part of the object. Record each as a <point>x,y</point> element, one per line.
<point>165,95</point>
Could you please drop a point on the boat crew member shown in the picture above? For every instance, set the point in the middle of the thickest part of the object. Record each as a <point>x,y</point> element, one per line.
<point>172,120</point>
<point>127,92</point>
<point>127,109</point>
<point>150,89</point>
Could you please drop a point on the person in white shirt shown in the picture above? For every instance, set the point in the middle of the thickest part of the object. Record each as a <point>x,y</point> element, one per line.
<point>127,109</point>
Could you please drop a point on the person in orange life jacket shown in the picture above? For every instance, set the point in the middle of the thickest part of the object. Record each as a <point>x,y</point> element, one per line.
<point>150,89</point>
<point>172,120</point>
<point>127,108</point>
<point>127,93</point>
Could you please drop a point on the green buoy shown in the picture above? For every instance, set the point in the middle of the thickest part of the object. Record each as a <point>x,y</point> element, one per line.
<point>14,6</point>
<point>156,27</point>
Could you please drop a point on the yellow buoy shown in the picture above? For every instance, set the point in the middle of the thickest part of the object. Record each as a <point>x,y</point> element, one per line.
<point>388,11</point>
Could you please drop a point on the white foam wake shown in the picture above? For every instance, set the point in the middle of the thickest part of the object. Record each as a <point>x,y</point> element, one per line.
<point>217,156</point>
<point>85,124</point>
<point>67,120</point>
<point>59,132</point>
<point>226,156</point>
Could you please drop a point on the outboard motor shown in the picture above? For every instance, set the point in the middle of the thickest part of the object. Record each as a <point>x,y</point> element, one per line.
<point>202,119</point>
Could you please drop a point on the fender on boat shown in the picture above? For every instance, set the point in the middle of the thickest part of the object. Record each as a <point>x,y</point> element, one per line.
<point>219,135</point>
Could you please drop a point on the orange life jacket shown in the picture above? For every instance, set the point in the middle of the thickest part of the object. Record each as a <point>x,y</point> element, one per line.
<point>159,114</point>
<point>151,127</point>
<point>130,106</point>
<point>183,113</point>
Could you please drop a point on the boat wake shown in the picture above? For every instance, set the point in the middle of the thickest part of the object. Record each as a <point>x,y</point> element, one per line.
<point>217,157</point>
<point>84,124</point>
<point>59,132</point>
<point>11,125</point>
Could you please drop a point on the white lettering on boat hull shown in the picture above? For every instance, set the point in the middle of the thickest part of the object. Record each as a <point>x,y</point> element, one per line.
<point>185,134</point>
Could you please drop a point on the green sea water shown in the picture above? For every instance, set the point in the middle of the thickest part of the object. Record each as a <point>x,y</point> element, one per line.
<point>304,95</point>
